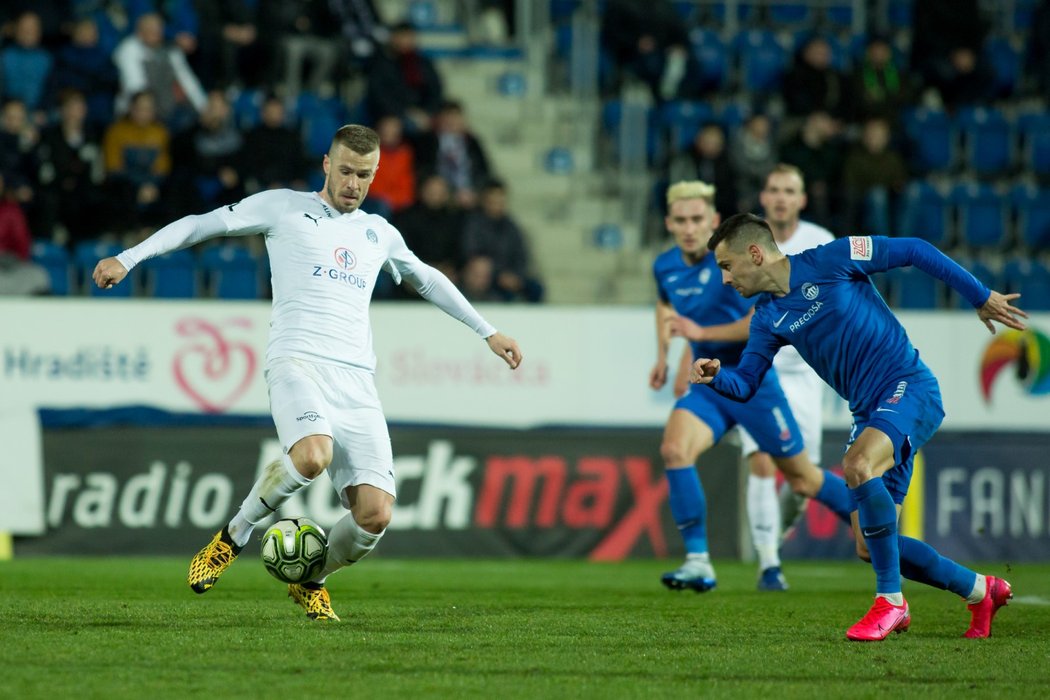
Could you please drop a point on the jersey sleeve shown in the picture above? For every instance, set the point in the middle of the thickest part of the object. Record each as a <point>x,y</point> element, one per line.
<point>741,383</point>
<point>432,285</point>
<point>661,293</point>
<point>255,214</point>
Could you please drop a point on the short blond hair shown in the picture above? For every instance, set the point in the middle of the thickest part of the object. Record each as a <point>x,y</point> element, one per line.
<point>788,169</point>
<point>691,189</point>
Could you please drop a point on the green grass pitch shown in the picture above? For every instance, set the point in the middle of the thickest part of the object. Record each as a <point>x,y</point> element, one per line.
<point>131,628</point>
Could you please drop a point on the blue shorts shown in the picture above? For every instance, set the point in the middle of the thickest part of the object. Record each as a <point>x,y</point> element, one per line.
<point>766,416</point>
<point>909,413</point>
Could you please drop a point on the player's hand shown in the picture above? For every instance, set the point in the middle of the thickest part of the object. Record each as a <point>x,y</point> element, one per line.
<point>658,376</point>
<point>506,347</point>
<point>704,370</point>
<point>108,272</point>
<point>998,308</point>
<point>685,328</point>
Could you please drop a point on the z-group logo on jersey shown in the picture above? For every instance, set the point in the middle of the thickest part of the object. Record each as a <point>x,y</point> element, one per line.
<point>345,261</point>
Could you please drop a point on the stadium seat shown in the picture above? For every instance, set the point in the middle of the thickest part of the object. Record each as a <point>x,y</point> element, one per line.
<point>713,56</point>
<point>171,276</point>
<point>925,213</point>
<point>1032,280</point>
<point>1006,63</point>
<point>988,138</point>
<point>86,255</point>
<point>682,119</point>
<point>983,215</point>
<point>839,15</point>
<point>1034,131</point>
<point>319,119</point>
<point>608,236</point>
<point>932,139</point>
<point>732,115</point>
<point>898,14</point>
<point>55,259</point>
<point>981,271</point>
<point>914,289</point>
<point>1031,205</point>
<point>232,270</point>
<point>559,161</point>
<point>247,107</point>
<point>512,83</point>
<point>791,13</point>
<point>762,60</point>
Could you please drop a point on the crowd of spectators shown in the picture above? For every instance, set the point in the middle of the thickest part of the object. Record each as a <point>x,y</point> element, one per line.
<point>121,115</point>
<point>837,107</point>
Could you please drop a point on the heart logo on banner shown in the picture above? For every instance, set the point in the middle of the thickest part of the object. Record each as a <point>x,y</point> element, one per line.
<point>214,371</point>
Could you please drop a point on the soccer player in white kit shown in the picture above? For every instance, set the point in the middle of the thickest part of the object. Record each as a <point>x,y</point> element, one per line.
<point>325,255</point>
<point>782,198</point>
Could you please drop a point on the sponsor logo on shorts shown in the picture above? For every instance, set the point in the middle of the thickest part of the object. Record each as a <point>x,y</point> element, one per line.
<point>810,291</point>
<point>782,425</point>
<point>310,416</point>
<point>898,393</point>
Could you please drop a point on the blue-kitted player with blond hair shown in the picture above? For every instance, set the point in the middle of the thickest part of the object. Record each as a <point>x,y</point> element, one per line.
<point>693,304</point>
<point>822,302</point>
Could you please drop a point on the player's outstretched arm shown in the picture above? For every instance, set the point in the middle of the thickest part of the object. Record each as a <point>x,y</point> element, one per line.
<point>108,272</point>
<point>704,370</point>
<point>998,308</point>
<point>506,347</point>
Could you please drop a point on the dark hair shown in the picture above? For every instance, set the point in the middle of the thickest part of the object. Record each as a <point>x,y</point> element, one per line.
<point>740,230</point>
<point>359,139</point>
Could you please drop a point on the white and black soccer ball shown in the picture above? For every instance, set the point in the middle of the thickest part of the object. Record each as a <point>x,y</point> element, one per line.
<point>294,549</point>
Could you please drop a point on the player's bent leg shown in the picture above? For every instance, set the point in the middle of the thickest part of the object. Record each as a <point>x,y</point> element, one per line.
<point>213,559</point>
<point>359,531</point>
<point>313,598</point>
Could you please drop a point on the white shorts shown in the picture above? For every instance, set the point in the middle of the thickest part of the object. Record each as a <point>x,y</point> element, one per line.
<point>805,395</point>
<point>308,398</point>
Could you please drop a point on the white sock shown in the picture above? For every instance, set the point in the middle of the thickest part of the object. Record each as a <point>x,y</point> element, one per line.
<point>980,589</point>
<point>347,543</point>
<point>279,480</point>
<point>895,598</point>
<point>763,515</point>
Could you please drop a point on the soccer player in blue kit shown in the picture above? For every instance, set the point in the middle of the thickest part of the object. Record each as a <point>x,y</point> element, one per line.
<point>822,302</point>
<point>693,302</point>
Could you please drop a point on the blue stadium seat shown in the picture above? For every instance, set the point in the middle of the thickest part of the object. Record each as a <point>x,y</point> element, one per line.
<point>559,161</point>
<point>171,276</point>
<point>932,139</point>
<point>512,83</point>
<point>1031,205</point>
<point>762,60</point>
<point>608,236</point>
<point>1032,280</point>
<point>732,115</point>
<point>713,56</point>
<point>247,108</point>
<point>839,15</point>
<point>983,215</point>
<point>989,139</point>
<point>55,259</point>
<point>682,119</point>
<point>898,14</point>
<point>1034,131</point>
<point>612,115</point>
<point>319,119</point>
<point>232,270</point>
<point>86,255</point>
<point>981,271</point>
<point>745,12</point>
<point>924,213</point>
<point>1006,63</point>
<point>791,13</point>
<point>914,289</point>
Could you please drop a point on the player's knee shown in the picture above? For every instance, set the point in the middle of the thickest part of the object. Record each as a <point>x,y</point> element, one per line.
<point>311,457</point>
<point>674,453</point>
<point>373,518</point>
<point>856,469</point>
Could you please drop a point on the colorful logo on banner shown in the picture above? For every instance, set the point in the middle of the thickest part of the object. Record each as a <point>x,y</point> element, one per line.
<point>1028,351</point>
<point>213,370</point>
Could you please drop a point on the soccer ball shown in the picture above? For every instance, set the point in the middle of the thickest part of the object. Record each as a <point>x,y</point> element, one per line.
<point>294,549</point>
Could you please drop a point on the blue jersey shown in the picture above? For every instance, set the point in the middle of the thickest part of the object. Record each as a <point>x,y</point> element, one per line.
<point>697,293</point>
<point>838,322</point>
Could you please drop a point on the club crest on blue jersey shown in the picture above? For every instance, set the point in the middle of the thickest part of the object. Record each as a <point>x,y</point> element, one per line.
<point>704,276</point>
<point>810,291</point>
<point>345,258</point>
<point>372,236</point>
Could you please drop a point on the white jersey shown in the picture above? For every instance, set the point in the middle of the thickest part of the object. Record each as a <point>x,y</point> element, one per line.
<point>324,266</point>
<point>806,236</point>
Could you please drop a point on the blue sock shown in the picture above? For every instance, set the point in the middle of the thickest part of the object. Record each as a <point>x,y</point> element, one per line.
<point>835,495</point>
<point>689,508</point>
<point>921,562</point>
<point>877,517</point>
